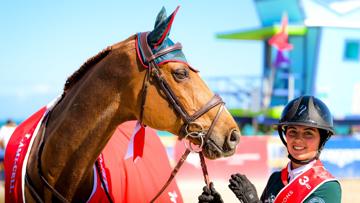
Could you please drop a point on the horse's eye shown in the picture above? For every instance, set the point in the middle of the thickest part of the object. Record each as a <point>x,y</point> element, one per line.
<point>180,74</point>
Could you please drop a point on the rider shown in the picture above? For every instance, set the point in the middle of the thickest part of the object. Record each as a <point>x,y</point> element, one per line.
<point>305,126</point>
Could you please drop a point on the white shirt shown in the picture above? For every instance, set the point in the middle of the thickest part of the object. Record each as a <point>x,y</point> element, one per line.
<point>5,134</point>
<point>295,172</point>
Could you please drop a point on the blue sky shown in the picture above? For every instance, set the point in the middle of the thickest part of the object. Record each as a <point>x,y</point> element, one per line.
<point>44,42</point>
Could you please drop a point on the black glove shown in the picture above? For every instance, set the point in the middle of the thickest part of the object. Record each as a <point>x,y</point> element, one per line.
<point>244,190</point>
<point>210,195</point>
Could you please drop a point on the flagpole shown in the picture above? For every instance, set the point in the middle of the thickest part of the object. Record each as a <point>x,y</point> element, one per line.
<point>291,86</point>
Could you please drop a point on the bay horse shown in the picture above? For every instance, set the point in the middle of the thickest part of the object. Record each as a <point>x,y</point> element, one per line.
<point>146,78</point>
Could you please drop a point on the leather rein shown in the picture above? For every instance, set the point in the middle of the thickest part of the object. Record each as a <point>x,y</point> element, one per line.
<point>152,71</point>
<point>203,135</point>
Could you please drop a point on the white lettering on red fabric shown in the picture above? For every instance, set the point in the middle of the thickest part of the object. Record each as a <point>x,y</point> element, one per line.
<point>288,195</point>
<point>15,165</point>
<point>305,182</point>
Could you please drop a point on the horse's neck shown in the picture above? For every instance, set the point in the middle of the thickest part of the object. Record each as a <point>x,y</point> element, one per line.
<point>82,123</point>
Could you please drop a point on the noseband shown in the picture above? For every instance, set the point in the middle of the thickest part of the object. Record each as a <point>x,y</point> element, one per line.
<point>203,135</point>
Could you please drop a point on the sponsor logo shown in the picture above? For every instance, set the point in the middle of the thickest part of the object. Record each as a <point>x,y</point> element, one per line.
<point>15,167</point>
<point>240,159</point>
<point>235,160</point>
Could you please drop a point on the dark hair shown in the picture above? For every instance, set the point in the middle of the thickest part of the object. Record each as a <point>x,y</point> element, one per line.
<point>10,122</point>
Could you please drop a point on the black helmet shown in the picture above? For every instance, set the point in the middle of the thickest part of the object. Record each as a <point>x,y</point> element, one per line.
<point>307,111</point>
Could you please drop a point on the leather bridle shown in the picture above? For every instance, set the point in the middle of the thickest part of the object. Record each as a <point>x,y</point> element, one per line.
<point>203,135</point>
<point>152,71</point>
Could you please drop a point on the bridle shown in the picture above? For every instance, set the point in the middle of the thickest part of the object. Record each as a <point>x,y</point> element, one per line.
<point>154,71</point>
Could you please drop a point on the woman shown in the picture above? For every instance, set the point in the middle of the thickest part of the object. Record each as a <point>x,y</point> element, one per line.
<point>305,126</point>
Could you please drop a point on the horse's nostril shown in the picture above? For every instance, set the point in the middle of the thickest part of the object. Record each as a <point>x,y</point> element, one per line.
<point>234,136</point>
<point>231,141</point>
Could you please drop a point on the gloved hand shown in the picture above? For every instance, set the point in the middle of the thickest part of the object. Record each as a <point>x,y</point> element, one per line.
<point>210,195</point>
<point>244,190</point>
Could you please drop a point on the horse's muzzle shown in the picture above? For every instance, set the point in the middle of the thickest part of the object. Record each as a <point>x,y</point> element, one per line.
<point>213,150</point>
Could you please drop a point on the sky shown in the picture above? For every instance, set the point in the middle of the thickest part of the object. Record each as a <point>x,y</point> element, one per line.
<point>44,42</point>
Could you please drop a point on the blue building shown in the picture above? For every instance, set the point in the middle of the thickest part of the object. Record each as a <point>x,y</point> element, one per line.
<point>325,60</point>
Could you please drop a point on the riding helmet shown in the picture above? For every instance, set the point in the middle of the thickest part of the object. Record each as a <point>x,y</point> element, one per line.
<point>307,111</point>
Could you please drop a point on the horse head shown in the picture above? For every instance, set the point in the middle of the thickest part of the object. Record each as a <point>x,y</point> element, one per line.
<point>175,98</point>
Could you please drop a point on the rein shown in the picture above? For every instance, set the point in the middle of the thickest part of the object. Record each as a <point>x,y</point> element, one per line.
<point>154,71</point>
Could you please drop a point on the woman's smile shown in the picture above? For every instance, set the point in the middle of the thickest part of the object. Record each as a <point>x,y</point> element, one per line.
<point>302,141</point>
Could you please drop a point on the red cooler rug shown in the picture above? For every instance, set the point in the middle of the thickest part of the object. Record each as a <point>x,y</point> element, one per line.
<point>127,179</point>
<point>139,180</point>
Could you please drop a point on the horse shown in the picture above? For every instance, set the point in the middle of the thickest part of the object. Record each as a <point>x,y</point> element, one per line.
<point>146,78</point>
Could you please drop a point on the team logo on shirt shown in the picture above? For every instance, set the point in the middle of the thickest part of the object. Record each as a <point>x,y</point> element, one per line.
<point>316,200</point>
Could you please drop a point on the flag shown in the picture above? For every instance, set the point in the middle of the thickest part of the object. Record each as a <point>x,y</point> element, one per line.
<point>280,59</point>
<point>136,144</point>
<point>280,40</point>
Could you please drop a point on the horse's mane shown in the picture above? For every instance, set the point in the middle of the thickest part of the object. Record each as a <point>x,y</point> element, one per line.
<point>77,75</point>
<point>84,68</point>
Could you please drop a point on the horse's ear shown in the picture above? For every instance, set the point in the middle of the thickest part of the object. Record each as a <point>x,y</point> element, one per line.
<point>161,17</point>
<point>162,27</point>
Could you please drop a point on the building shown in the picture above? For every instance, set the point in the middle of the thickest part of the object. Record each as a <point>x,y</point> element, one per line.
<point>325,60</point>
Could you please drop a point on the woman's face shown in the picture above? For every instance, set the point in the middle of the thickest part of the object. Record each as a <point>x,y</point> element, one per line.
<point>302,141</point>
